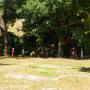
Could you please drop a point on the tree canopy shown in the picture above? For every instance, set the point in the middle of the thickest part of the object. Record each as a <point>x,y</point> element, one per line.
<point>52,21</point>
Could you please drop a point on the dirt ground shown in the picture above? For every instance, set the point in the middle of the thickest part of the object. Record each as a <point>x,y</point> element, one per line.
<point>44,74</point>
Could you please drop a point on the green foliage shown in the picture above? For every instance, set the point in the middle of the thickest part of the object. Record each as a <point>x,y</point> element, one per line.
<point>47,21</point>
<point>1,3</point>
<point>12,9</point>
<point>43,17</point>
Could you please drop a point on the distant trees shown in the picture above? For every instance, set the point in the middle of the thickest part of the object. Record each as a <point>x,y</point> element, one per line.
<point>60,17</point>
<point>48,22</point>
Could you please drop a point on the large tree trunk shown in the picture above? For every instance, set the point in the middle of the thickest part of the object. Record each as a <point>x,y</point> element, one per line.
<point>5,43</point>
<point>5,31</point>
<point>3,27</point>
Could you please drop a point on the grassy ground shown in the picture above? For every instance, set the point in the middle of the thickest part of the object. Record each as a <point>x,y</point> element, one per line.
<point>54,74</point>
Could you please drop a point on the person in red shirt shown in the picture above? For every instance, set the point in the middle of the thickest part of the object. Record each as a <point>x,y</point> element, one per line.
<point>74,55</point>
<point>13,51</point>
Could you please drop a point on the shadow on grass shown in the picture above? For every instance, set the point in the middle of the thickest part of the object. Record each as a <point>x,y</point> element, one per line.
<point>1,64</point>
<point>18,57</point>
<point>4,57</point>
<point>85,69</point>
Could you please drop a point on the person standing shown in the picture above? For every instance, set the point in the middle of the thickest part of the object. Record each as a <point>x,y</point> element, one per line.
<point>74,55</point>
<point>13,51</point>
<point>23,52</point>
<point>82,53</point>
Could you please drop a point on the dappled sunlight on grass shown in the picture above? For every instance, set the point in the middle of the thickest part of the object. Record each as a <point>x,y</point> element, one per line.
<point>67,74</point>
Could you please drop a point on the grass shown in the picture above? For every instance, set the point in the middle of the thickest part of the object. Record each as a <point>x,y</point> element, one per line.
<point>48,67</point>
<point>35,69</point>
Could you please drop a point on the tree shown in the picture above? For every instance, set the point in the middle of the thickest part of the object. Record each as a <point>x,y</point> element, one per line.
<point>11,10</point>
<point>43,17</point>
<point>60,16</point>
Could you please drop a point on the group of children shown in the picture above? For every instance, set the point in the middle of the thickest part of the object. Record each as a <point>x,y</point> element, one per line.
<point>46,52</point>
